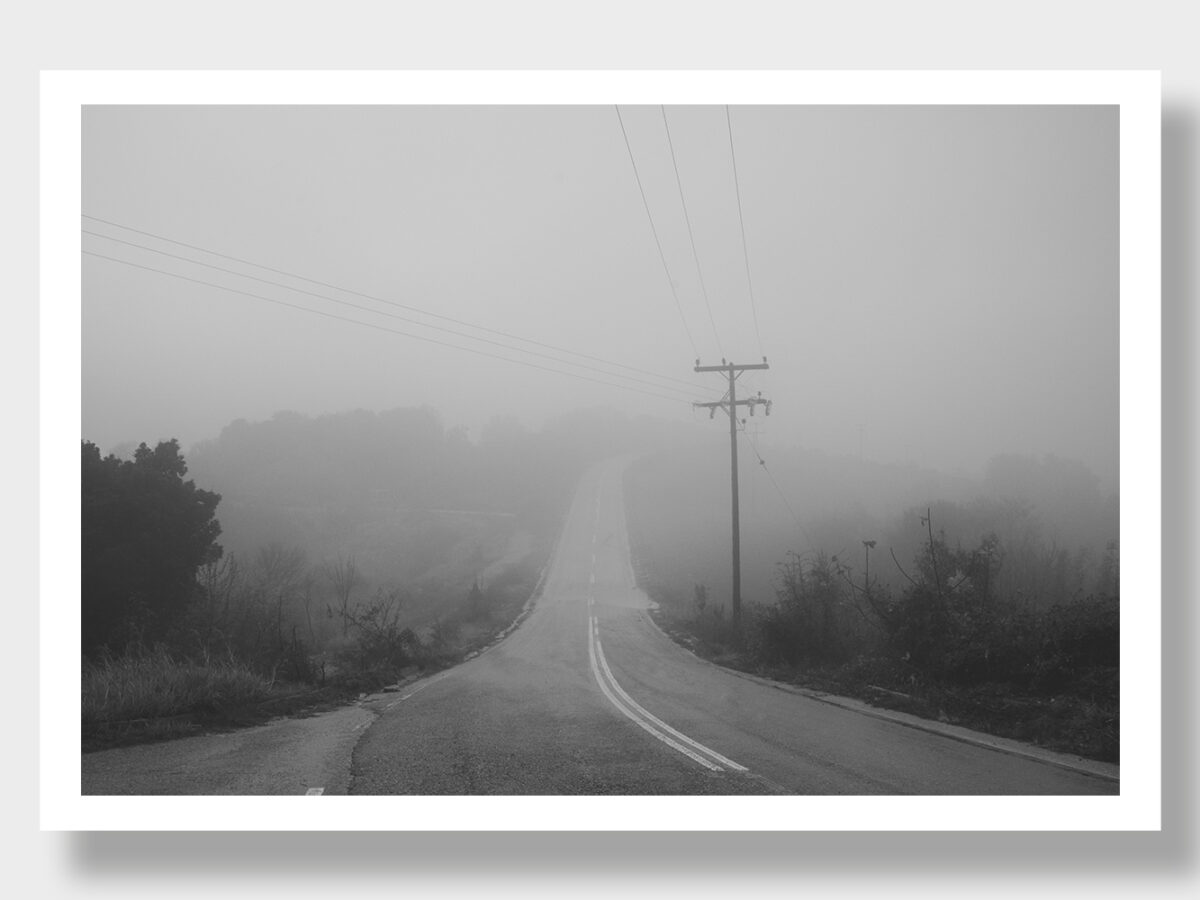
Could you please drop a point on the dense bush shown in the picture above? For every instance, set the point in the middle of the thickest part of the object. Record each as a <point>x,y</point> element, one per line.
<point>814,619</point>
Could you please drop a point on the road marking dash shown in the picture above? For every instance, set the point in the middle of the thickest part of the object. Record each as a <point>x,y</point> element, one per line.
<point>418,689</point>
<point>314,792</point>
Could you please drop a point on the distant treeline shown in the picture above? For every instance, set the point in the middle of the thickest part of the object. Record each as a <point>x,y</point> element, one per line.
<point>154,571</point>
<point>1052,519</point>
<point>407,457</point>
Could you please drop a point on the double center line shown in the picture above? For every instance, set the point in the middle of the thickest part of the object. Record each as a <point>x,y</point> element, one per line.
<point>647,721</point>
<point>630,708</point>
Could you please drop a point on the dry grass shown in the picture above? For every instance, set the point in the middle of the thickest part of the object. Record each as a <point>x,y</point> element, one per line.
<point>158,686</point>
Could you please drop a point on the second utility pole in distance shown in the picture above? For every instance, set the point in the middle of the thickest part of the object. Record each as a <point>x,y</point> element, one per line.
<point>730,405</point>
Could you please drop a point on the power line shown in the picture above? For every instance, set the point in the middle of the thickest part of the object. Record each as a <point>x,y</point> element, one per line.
<point>691,237</point>
<point>657,243</point>
<point>377,312</point>
<point>778,490</point>
<point>355,293</point>
<point>742,222</point>
<point>419,337</point>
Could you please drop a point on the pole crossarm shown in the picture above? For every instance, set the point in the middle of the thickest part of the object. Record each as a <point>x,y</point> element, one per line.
<point>724,404</point>
<point>730,366</point>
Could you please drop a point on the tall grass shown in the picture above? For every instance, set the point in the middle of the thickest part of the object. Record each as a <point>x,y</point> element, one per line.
<point>158,685</point>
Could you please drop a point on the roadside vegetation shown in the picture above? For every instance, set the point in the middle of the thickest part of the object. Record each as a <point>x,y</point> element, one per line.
<point>156,693</point>
<point>1016,637</point>
<point>362,550</point>
<point>178,685</point>
<point>179,635</point>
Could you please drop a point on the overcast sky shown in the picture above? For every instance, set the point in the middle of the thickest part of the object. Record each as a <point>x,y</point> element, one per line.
<point>931,284</point>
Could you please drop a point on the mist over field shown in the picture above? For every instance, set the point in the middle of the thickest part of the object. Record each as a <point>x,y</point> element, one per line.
<point>1051,516</point>
<point>423,508</point>
<point>367,388</point>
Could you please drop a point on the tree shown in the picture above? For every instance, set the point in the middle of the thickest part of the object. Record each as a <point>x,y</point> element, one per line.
<point>145,533</point>
<point>279,578</point>
<point>343,577</point>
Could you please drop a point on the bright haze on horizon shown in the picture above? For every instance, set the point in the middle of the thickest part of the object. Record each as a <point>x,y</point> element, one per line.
<point>930,284</point>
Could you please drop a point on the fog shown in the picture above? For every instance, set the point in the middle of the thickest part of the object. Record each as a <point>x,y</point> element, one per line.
<point>1053,523</point>
<point>933,287</point>
<point>423,511</point>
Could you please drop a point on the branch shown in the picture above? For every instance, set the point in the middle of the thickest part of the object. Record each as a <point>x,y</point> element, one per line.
<point>901,568</point>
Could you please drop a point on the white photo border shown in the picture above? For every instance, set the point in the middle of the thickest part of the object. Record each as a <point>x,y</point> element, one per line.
<point>65,93</point>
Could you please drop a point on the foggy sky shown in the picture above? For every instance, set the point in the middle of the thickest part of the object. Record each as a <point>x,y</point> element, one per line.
<point>932,284</point>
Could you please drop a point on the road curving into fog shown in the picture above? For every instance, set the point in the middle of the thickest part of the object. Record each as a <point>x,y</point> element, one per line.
<point>587,696</point>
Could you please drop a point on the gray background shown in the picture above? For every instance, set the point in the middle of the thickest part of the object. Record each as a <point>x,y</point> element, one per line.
<point>621,35</point>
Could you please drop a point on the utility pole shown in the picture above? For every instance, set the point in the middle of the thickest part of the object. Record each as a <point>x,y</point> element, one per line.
<point>730,405</point>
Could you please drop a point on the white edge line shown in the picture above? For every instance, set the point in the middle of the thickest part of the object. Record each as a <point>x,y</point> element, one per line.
<point>984,741</point>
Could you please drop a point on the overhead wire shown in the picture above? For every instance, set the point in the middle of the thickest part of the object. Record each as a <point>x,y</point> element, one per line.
<point>778,490</point>
<point>742,223</point>
<point>691,237</point>
<point>382,328</point>
<point>657,243</point>
<point>356,293</point>
<point>691,389</point>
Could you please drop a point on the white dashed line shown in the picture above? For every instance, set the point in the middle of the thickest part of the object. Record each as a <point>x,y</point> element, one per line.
<point>417,689</point>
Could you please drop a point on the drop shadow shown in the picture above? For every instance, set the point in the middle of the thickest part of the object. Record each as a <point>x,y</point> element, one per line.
<point>1173,851</point>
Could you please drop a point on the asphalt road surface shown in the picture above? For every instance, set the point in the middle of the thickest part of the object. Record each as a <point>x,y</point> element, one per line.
<point>587,696</point>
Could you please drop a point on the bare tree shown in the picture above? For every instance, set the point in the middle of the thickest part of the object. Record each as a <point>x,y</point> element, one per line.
<point>280,575</point>
<point>344,577</point>
<point>220,580</point>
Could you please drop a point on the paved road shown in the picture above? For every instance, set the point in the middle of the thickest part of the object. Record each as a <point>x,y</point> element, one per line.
<point>292,756</point>
<point>587,696</point>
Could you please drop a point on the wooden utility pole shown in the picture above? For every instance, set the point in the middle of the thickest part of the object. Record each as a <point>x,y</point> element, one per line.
<point>730,405</point>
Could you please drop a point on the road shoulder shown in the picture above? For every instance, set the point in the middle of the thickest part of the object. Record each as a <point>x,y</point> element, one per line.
<point>1106,771</point>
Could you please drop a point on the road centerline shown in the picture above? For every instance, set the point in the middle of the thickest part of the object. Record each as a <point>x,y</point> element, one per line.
<point>649,716</point>
<point>634,717</point>
<point>646,720</point>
